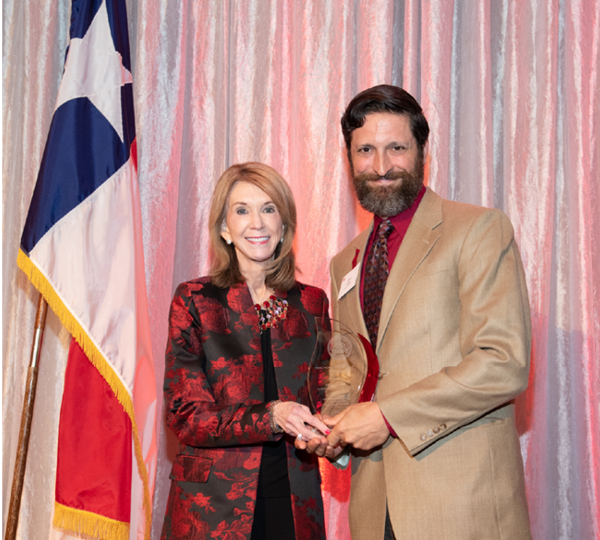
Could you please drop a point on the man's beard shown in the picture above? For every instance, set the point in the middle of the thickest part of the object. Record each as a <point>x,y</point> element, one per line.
<point>387,201</point>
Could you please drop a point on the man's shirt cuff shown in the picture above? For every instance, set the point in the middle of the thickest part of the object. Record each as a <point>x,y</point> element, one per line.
<point>391,429</point>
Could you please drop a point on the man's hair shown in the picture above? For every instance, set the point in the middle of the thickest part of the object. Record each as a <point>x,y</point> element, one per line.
<point>385,98</point>
<point>225,270</point>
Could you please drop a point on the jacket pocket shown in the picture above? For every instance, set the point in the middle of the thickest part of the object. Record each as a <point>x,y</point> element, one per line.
<point>191,469</point>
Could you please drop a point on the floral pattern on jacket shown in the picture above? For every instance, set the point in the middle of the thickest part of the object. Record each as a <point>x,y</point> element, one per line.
<point>214,392</point>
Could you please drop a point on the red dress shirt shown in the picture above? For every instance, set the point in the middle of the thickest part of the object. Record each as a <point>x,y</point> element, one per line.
<point>400,222</point>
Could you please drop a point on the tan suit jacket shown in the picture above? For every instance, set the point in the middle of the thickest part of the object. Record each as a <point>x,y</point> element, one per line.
<point>454,344</point>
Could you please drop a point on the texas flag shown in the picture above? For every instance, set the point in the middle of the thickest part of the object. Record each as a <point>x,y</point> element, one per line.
<point>82,249</point>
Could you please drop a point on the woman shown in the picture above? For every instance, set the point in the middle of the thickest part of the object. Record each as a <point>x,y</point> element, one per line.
<point>239,346</point>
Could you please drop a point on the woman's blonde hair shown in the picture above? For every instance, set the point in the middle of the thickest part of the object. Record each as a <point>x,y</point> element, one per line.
<point>225,270</point>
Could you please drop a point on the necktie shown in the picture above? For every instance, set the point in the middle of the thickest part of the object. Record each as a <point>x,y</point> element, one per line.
<point>376,274</point>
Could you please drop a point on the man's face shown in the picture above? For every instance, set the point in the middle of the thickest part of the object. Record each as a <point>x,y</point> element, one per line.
<point>386,165</point>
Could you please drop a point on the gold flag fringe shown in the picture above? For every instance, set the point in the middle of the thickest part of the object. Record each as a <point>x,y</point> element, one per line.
<point>41,283</point>
<point>88,525</point>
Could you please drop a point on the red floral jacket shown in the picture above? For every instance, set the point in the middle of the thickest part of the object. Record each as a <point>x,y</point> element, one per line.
<point>215,406</point>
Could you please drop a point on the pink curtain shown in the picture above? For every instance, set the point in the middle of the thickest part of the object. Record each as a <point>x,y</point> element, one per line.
<point>511,90</point>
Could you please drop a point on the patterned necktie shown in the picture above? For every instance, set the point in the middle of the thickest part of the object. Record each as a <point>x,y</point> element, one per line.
<point>376,274</point>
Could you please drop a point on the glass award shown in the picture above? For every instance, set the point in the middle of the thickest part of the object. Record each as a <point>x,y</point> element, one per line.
<point>343,369</point>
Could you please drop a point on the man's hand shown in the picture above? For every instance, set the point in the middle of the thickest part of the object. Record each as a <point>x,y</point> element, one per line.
<point>361,425</point>
<point>319,446</point>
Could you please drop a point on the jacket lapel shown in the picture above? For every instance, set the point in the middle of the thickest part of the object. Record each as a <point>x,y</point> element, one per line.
<point>420,238</point>
<point>354,311</point>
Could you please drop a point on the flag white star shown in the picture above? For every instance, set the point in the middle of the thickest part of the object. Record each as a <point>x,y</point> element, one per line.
<point>94,69</point>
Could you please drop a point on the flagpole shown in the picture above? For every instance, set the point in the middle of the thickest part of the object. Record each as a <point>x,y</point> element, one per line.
<point>26,417</point>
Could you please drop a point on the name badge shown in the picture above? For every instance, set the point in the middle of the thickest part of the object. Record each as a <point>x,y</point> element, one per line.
<point>349,281</point>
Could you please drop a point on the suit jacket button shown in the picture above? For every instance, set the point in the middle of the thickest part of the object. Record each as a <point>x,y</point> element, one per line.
<point>442,426</point>
<point>429,433</point>
<point>423,436</point>
<point>436,430</point>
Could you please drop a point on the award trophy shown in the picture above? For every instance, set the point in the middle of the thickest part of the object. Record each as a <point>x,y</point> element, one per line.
<point>343,369</point>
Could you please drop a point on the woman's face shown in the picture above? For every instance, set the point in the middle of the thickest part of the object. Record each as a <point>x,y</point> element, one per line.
<point>253,224</point>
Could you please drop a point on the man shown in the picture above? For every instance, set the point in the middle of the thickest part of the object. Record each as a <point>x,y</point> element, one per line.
<point>438,287</point>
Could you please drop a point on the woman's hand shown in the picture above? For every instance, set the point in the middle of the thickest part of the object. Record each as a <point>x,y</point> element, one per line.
<point>296,419</point>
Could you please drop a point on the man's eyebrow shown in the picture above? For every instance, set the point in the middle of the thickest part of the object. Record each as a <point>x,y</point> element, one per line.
<point>401,141</point>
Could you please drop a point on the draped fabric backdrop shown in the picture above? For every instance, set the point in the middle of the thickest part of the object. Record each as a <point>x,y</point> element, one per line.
<point>511,90</point>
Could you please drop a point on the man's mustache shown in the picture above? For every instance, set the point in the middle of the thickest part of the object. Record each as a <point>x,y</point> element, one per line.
<point>390,175</point>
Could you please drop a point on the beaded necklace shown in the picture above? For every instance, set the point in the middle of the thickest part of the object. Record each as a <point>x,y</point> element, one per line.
<point>271,312</point>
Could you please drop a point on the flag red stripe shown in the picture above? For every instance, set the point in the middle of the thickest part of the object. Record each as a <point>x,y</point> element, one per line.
<point>94,443</point>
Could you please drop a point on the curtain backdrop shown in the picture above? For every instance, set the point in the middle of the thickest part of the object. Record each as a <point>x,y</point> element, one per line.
<point>511,91</point>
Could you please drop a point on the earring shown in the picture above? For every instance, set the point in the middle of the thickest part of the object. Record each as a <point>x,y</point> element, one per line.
<point>228,242</point>
<point>281,241</point>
